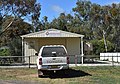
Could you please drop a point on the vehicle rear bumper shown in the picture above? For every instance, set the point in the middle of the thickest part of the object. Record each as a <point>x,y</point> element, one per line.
<point>53,67</point>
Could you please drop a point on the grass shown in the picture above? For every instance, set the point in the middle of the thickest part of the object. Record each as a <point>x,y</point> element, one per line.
<point>77,75</point>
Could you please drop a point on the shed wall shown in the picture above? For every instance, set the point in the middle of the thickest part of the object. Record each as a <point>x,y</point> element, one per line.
<point>72,45</point>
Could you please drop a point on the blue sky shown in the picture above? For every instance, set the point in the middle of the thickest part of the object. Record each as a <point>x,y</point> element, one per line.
<point>52,8</point>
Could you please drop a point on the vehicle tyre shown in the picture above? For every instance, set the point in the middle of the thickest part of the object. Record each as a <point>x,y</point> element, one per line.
<point>51,73</point>
<point>40,73</point>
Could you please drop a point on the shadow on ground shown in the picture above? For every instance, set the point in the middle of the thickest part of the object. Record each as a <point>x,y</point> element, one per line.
<point>70,73</point>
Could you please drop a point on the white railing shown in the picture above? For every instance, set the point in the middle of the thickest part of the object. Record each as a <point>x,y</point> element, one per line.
<point>110,56</point>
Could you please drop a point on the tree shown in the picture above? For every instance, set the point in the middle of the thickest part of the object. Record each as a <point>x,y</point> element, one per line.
<point>98,46</point>
<point>10,35</point>
<point>54,23</point>
<point>96,19</point>
<point>24,9</point>
<point>43,24</point>
<point>60,22</point>
<point>1,24</point>
<point>13,15</point>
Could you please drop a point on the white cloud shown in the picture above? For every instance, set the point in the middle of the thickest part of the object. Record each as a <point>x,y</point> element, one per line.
<point>57,9</point>
<point>114,1</point>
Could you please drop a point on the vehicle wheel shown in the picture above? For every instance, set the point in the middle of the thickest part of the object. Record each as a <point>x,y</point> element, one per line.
<point>51,73</point>
<point>66,71</point>
<point>40,73</point>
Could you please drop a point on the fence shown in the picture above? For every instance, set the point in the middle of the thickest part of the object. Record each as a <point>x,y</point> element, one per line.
<point>28,61</point>
<point>110,56</point>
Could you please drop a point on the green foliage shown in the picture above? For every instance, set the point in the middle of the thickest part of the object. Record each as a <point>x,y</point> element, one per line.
<point>11,36</point>
<point>12,24</point>
<point>27,9</point>
<point>89,19</point>
<point>96,18</point>
<point>20,8</point>
<point>99,46</point>
<point>4,52</point>
<point>15,47</point>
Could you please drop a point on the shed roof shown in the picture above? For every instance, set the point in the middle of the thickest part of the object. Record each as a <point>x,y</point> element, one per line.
<point>51,33</point>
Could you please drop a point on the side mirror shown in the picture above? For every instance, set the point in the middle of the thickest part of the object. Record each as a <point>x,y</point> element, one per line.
<point>36,54</point>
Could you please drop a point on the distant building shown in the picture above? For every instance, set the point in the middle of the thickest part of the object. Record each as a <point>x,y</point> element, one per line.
<point>88,48</point>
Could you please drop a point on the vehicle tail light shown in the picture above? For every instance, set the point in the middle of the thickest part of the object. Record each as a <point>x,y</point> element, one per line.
<point>67,60</point>
<point>40,61</point>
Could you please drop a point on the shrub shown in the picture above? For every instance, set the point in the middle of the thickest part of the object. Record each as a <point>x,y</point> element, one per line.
<point>4,52</point>
<point>99,47</point>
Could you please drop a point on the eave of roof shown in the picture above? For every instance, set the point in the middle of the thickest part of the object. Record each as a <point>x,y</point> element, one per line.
<point>51,33</point>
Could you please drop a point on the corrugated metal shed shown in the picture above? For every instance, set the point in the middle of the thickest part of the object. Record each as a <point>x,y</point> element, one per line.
<point>52,33</point>
<point>31,43</point>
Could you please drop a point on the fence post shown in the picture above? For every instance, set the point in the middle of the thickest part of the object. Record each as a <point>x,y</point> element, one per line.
<point>75,60</point>
<point>112,61</point>
<point>82,58</point>
<point>117,58</point>
<point>29,62</point>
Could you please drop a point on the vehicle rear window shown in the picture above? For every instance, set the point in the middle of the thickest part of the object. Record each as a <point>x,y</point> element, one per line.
<point>53,51</point>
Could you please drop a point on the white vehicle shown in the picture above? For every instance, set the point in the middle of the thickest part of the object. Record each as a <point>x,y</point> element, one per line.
<point>52,58</point>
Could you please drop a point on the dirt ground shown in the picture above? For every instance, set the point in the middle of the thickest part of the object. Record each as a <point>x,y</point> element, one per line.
<point>18,82</point>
